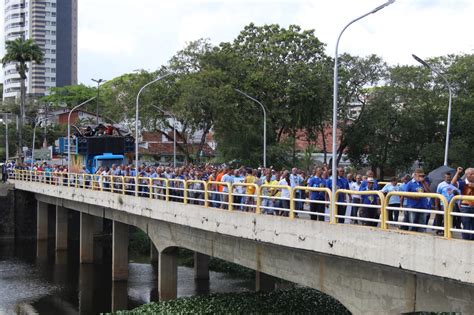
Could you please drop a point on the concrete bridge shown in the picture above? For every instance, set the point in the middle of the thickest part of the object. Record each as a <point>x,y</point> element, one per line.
<point>369,270</point>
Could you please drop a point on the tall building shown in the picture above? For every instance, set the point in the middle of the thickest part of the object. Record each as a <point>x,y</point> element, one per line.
<point>52,24</point>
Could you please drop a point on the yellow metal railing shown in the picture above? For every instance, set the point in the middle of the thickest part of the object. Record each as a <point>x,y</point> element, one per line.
<point>448,221</point>
<point>380,195</point>
<point>184,191</point>
<point>441,198</point>
<point>308,200</point>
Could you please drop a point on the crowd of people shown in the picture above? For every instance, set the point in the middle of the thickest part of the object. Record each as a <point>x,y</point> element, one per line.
<point>361,200</point>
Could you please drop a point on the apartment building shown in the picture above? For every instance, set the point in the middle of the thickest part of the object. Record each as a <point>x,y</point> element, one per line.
<point>52,24</point>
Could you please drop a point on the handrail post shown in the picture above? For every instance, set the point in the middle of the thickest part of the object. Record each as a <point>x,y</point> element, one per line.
<point>123,185</point>
<point>383,210</point>
<point>231,197</point>
<point>292,203</point>
<point>333,208</point>
<point>206,196</point>
<point>448,220</point>
<point>185,192</point>
<point>167,189</point>
<point>258,202</point>
<point>150,183</point>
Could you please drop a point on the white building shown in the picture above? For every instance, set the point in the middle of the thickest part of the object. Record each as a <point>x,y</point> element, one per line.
<point>52,24</point>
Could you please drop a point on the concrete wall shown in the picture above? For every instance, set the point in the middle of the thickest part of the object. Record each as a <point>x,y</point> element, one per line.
<point>7,211</point>
<point>364,268</point>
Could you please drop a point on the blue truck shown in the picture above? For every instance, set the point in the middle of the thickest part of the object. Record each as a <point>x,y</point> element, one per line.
<point>98,151</point>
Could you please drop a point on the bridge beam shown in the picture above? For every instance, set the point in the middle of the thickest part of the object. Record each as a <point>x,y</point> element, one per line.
<point>119,251</point>
<point>61,228</point>
<point>86,239</point>
<point>168,274</point>
<point>42,221</point>
<point>201,266</point>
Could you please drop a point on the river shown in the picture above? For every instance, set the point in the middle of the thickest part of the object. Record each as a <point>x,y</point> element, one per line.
<point>58,284</point>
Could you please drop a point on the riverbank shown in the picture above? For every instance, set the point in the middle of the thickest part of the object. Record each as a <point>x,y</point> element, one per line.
<point>284,301</point>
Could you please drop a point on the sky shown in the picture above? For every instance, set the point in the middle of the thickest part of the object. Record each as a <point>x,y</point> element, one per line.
<point>120,36</point>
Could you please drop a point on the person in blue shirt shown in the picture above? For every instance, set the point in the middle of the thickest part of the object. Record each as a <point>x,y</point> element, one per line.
<point>394,200</point>
<point>466,187</point>
<point>369,212</point>
<point>448,190</point>
<point>317,182</point>
<point>403,200</point>
<point>417,185</point>
<point>341,183</point>
<point>370,174</point>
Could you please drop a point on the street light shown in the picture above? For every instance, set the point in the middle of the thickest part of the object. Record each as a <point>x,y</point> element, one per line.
<point>448,127</point>
<point>7,153</point>
<point>264,125</point>
<point>99,81</point>
<point>334,109</point>
<point>136,126</point>
<point>36,123</point>
<point>174,133</point>
<point>69,132</point>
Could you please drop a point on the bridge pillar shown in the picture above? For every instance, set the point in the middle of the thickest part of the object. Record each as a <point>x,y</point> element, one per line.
<point>264,282</point>
<point>119,251</point>
<point>98,244</point>
<point>168,274</point>
<point>153,253</point>
<point>61,228</point>
<point>42,221</point>
<point>201,266</point>
<point>86,250</point>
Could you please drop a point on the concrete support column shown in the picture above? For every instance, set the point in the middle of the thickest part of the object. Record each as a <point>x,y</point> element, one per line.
<point>201,266</point>
<point>61,228</point>
<point>42,221</point>
<point>119,251</point>
<point>86,239</point>
<point>153,253</point>
<point>99,239</point>
<point>264,282</point>
<point>168,275</point>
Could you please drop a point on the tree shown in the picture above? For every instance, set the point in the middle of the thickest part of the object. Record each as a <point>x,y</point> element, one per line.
<point>21,51</point>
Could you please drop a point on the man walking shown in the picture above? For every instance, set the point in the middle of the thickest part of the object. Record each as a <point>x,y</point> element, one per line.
<point>417,185</point>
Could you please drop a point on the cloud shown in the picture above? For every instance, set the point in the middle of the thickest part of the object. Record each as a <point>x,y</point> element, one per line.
<point>119,36</point>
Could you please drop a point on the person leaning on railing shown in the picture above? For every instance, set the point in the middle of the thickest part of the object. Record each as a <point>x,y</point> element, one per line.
<point>466,186</point>
<point>373,199</point>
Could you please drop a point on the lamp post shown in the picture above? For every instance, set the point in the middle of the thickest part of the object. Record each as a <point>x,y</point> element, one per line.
<point>37,122</point>
<point>99,81</point>
<point>136,126</point>
<point>264,125</point>
<point>69,131</point>
<point>448,123</point>
<point>5,119</point>
<point>174,133</point>
<point>334,109</point>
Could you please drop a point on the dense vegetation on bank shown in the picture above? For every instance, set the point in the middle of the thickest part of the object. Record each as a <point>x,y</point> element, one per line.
<point>288,301</point>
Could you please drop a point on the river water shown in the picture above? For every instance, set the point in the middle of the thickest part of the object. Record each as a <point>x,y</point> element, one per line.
<point>58,284</point>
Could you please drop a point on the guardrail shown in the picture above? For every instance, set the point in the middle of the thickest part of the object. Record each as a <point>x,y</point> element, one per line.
<point>274,199</point>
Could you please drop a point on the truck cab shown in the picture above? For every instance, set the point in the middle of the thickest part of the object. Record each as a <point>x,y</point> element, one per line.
<point>104,160</point>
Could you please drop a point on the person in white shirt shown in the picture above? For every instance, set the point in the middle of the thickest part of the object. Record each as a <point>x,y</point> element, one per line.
<point>285,193</point>
<point>355,197</point>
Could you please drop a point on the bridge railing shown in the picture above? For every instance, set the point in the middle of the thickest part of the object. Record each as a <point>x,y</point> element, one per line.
<point>461,207</point>
<point>415,218</point>
<point>280,200</point>
<point>370,208</point>
<point>318,199</point>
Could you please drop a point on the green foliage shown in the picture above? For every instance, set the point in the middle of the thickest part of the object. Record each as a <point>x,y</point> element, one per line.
<point>70,95</point>
<point>21,51</point>
<point>139,242</point>
<point>291,301</point>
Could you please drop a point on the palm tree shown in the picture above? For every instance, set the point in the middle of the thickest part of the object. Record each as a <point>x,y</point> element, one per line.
<point>21,51</point>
